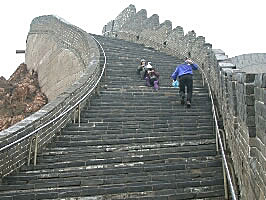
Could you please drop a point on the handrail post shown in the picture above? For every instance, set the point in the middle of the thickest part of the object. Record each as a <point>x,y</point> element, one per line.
<point>79,113</point>
<point>216,131</point>
<point>216,138</point>
<point>36,149</point>
<point>226,194</point>
<point>225,183</point>
<point>203,82</point>
<point>31,140</point>
<point>224,140</point>
<point>74,118</point>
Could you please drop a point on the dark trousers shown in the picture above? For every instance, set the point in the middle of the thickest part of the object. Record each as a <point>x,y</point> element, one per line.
<point>186,81</point>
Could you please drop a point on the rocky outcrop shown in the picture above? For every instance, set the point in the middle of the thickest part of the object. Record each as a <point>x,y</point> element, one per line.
<point>20,96</point>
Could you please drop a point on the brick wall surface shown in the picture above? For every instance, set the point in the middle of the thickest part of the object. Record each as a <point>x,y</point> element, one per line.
<point>59,52</point>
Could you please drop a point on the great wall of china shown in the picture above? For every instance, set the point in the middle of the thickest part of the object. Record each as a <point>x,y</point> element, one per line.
<point>67,59</point>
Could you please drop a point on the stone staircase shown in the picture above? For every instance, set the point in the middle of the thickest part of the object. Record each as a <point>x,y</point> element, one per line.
<point>133,142</point>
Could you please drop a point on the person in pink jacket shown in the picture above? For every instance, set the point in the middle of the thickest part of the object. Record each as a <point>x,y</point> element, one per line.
<point>152,77</point>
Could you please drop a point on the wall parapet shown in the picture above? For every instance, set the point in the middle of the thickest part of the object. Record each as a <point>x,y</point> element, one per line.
<point>15,156</point>
<point>250,63</point>
<point>240,94</point>
<point>59,52</point>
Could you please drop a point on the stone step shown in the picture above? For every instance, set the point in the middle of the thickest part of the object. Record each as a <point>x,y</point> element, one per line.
<point>148,111</point>
<point>145,131</point>
<point>131,66</point>
<point>164,78</point>
<point>149,187</point>
<point>196,193</point>
<point>174,104</point>
<point>117,174</point>
<point>118,129</point>
<point>151,126</point>
<point>169,90</point>
<point>130,73</point>
<point>116,132</point>
<point>140,123</point>
<point>98,160</point>
<point>135,169</point>
<point>169,103</point>
<point>109,181</point>
<point>77,179</point>
<point>128,141</point>
<point>143,115</point>
<point>181,158</point>
<point>190,168</point>
<point>122,83</point>
<point>176,110</point>
<point>124,150</point>
<point>150,100</point>
<point>145,92</point>
<point>122,52</point>
<point>93,127</point>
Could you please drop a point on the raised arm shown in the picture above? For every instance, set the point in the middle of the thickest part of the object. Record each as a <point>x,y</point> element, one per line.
<point>194,66</point>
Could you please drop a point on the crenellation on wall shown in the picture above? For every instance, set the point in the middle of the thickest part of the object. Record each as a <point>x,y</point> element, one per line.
<point>149,37</point>
<point>258,150</point>
<point>200,41</point>
<point>190,37</point>
<point>151,23</point>
<point>248,119</point>
<point>229,108</point>
<point>135,23</point>
<point>175,40</point>
<point>123,17</point>
<point>246,110</point>
<point>108,27</point>
<point>167,24</point>
<point>178,32</point>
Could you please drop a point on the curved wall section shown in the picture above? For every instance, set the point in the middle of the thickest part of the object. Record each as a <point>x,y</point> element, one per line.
<point>69,58</point>
<point>59,52</point>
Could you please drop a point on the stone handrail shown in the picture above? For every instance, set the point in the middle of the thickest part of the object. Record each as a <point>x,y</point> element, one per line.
<point>15,156</point>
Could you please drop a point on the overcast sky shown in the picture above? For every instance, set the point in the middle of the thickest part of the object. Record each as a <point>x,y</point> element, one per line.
<point>235,26</point>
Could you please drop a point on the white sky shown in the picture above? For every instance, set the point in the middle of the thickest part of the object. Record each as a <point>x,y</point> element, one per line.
<point>235,26</point>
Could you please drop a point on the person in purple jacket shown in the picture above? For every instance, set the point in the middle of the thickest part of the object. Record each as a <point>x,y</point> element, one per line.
<point>152,77</point>
<point>184,73</point>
